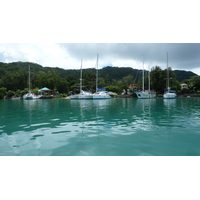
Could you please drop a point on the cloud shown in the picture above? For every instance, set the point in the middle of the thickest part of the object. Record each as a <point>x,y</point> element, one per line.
<point>46,54</point>
<point>183,56</point>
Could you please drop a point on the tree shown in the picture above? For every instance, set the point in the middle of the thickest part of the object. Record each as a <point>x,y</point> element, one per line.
<point>14,76</point>
<point>22,77</point>
<point>158,79</point>
<point>8,80</point>
<point>10,94</point>
<point>35,91</point>
<point>71,80</point>
<point>172,80</point>
<point>63,86</point>
<point>113,88</point>
<point>177,86</point>
<point>126,82</point>
<point>195,83</point>
<point>101,82</point>
<point>41,79</point>
<point>52,79</point>
<point>2,92</point>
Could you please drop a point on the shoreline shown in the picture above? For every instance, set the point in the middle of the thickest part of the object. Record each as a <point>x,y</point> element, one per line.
<point>122,96</point>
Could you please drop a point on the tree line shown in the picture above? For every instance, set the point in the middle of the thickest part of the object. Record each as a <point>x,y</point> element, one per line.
<point>14,79</point>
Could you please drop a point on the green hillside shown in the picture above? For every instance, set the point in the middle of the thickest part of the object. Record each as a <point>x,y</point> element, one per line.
<point>182,75</point>
<point>14,76</point>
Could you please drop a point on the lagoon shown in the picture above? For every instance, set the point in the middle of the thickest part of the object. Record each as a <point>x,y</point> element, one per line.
<point>112,127</point>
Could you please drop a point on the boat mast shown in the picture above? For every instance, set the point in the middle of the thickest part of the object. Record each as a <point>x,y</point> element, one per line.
<point>149,80</point>
<point>143,77</point>
<point>81,78</point>
<point>29,80</point>
<point>167,81</point>
<point>97,73</point>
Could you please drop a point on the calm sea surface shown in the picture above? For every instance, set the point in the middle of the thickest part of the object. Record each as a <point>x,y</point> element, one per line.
<point>115,127</point>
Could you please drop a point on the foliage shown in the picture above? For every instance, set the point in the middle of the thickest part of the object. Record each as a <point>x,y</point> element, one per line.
<point>23,92</point>
<point>177,86</point>
<point>10,94</point>
<point>18,93</point>
<point>182,75</point>
<point>158,80</point>
<point>35,91</point>
<point>113,88</point>
<point>185,91</point>
<point>89,79</point>
<point>14,77</point>
<point>195,83</point>
<point>2,92</point>
<point>60,96</point>
<point>118,73</point>
<point>125,82</point>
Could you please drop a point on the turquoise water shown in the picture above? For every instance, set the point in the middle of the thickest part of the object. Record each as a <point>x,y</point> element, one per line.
<point>115,127</point>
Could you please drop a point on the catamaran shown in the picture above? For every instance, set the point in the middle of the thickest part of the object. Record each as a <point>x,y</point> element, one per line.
<point>29,95</point>
<point>83,94</point>
<point>169,94</point>
<point>145,94</point>
<point>99,94</point>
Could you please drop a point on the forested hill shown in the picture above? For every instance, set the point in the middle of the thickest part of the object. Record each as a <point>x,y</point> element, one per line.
<point>119,72</point>
<point>182,75</point>
<point>109,73</point>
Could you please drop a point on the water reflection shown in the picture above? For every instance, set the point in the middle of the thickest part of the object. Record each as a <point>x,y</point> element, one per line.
<point>143,118</point>
<point>31,104</point>
<point>100,127</point>
<point>170,103</point>
<point>90,117</point>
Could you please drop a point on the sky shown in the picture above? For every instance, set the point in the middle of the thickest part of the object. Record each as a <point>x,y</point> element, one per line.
<point>123,33</point>
<point>181,56</point>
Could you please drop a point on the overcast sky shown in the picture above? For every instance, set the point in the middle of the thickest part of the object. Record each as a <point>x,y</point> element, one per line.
<point>123,33</point>
<point>183,56</point>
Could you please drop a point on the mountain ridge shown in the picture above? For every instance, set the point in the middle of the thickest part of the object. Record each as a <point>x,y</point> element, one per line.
<point>116,73</point>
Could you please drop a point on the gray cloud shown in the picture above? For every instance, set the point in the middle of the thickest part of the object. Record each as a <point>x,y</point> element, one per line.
<point>183,56</point>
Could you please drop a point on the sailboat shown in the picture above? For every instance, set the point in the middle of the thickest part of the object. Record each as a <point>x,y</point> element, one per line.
<point>83,94</point>
<point>169,94</point>
<point>145,94</point>
<point>29,95</point>
<point>99,94</point>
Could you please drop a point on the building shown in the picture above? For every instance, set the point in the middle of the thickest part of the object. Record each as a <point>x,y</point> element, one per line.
<point>184,86</point>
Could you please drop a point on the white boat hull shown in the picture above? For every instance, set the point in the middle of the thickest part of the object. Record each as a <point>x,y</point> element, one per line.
<point>91,96</point>
<point>146,95</point>
<point>73,97</point>
<point>101,95</point>
<point>169,95</point>
<point>29,96</point>
<point>83,95</point>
